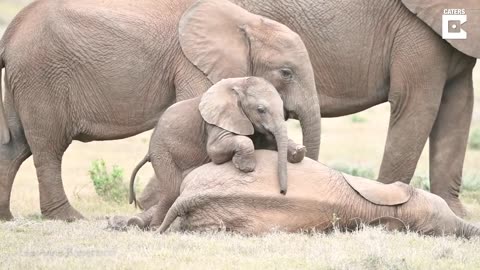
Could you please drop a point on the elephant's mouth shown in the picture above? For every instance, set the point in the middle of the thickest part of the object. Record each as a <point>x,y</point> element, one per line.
<point>266,132</point>
<point>269,135</point>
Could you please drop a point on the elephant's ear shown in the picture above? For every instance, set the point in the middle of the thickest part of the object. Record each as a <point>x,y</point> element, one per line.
<point>432,11</point>
<point>378,193</point>
<point>213,38</point>
<point>220,106</point>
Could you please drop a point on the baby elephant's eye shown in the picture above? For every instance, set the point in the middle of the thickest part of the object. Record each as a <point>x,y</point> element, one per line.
<point>286,73</point>
<point>261,109</point>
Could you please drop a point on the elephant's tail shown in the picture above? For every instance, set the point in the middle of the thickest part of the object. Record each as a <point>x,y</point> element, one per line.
<point>4,130</point>
<point>172,214</point>
<point>467,230</point>
<point>132,179</point>
<point>181,207</point>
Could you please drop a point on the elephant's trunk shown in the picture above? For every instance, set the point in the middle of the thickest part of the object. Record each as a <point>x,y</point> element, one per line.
<point>309,117</point>
<point>467,230</point>
<point>281,138</point>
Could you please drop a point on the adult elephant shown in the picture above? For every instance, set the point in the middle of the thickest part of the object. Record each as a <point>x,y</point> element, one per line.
<point>368,52</point>
<point>102,70</point>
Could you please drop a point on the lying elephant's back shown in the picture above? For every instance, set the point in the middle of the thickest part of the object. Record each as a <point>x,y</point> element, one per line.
<point>304,177</point>
<point>221,194</point>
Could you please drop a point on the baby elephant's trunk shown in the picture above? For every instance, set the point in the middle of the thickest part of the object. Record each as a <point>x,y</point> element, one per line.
<point>281,137</point>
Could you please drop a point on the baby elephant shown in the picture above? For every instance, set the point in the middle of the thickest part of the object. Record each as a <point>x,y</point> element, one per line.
<point>219,197</point>
<point>219,126</point>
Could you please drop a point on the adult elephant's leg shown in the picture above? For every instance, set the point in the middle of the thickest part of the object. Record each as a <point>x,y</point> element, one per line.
<point>53,200</point>
<point>449,138</point>
<point>417,80</point>
<point>12,156</point>
<point>47,132</point>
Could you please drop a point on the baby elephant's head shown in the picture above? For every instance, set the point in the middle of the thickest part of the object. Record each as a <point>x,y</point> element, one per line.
<point>245,105</point>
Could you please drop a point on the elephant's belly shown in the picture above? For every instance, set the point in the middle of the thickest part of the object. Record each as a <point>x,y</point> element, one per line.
<point>254,217</point>
<point>93,131</point>
<point>340,106</point>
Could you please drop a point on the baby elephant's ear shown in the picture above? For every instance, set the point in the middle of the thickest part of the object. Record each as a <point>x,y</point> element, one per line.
<point>220,106</point>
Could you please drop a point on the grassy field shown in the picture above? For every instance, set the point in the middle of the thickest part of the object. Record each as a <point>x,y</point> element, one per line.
<point>350,142</point>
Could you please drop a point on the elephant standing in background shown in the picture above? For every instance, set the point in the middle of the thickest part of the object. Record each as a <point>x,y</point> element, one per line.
<point>215,127</point>
<point>368,52</point>
<point>216,197</point>
<point>103,70</point>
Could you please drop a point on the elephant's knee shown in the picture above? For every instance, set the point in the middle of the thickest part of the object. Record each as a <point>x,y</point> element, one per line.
<point>245,145</point>
<point>137,221</point>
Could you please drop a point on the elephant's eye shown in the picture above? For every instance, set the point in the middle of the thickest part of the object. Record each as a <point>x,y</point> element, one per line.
<point>261,109</point>
<point>286,73</point>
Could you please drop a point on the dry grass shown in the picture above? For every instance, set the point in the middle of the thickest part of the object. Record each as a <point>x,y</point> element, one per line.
<point>29,242</point>
<point>87,245</point>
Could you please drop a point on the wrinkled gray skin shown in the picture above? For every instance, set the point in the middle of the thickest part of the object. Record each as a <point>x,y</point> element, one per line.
<point>215,127</point>
<point>219,197</point>
<point>102,70</point>
<point>369,52</point>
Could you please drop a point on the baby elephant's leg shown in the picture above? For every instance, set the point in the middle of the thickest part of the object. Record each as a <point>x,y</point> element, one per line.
<point>143,219</point>
<point>150,195</point>
<point>296,152</point>
<point>244,157</point>
<point>170,180</point>
<point>237,148</point>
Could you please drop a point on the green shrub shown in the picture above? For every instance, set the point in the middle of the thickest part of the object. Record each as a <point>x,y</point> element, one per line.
<point>471,183</point>
<point>355,170</point>
<point>109,186</point>
<point>475,139</point>
<point>421,182</point>
<point>358,119</point>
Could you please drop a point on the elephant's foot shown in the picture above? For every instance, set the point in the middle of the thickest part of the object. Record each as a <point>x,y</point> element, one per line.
<point>137,222</point>
<point>5,214</point>
<point>64,212</point>
<point>296,152</point>
<point>121,223</point>
<point>244,163</point>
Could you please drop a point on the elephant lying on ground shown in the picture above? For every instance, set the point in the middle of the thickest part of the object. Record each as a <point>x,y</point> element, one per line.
<point>219,126</point>
<point>221,197</point>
